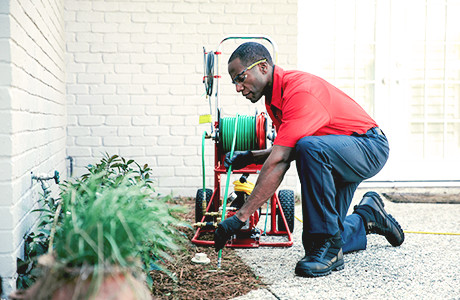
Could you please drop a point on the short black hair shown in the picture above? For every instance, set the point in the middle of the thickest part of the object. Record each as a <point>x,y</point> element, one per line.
<point>251,52</point>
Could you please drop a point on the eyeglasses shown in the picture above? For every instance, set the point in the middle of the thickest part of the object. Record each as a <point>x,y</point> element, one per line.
<point>239,79</point>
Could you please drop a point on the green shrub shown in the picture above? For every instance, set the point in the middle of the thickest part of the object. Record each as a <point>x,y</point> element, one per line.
<point>110,216</point>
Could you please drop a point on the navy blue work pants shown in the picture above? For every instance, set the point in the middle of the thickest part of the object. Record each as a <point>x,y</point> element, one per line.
<point>330,169</point>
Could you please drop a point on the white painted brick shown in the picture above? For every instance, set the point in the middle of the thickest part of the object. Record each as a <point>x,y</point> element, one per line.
<point>131,110</point>
<point>127,68</point>
<point>155,130</point>
<point>5,74</point>
<point>103,27</point>
<point>142,78</point>
<point>99,68</point>
<point>103,131</point>
<point>88,57</point>
<point>77,27</point>
<point>129,7</point>
<point>78,151</point>
<point>78,5</point>
<point>170,100</point>
<point>116,17</point>
<point>87,141</point>
<point>143,141</point>
<point>131,27</point>
<point>130,131</point>
<point>90,78</point>
<point>90,120</point>
<point>89,16</point>
<point>184,151</point>
<point>156,151</point>
<point>169,58</point>
<point>79,110</point>
<point>116,37</point>
<point>102,89</point>
<point>156,89</point>
<point>171,120</point>
<point>143,38</point>
<point>143,99</point>
<point>158,110</point>
<point>78,131</point>
<point>117,121</point>
<point>222,19</point>
<point>183,69</point>
<point>141,58</point>
<point>105,7</point>
<point>103,110</point>
<point>192,161</point>
<point>115,58</point>
<point>181,90</point>
<point>132,152</point>
<point>132,89</point>
<point>130,47</point>
<point>170,18</point>
<point>77,89</point>
<point>8,263</point>
<point>170,141</point>
<point>89,99</point>
<point>182,130</point>
<point>142,17</point>
<point>116,141</point>
<point>167,161</point>
<point>160,172</point>
<point>187,171</point>
<point>103,47</point>
<point>89,37</point>
<point>5,122</point>
<point>117,78</point>
<point>6,222</point>
<point>159,7</point>
<point>157,48</point>
<point>5,54</point>
<point>145,120</point>
<point>116,99</point>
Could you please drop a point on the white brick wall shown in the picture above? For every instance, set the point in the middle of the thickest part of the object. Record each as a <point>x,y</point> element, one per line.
<point>134,78</point>
<point>32,117</point>
<point>120,77</point>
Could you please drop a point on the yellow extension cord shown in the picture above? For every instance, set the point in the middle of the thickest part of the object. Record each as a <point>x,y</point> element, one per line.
<point>418,232</point>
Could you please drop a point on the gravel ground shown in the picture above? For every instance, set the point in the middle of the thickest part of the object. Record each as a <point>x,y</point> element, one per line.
<point>423,267</point>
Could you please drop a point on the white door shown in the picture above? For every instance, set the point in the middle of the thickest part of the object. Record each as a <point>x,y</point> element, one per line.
<point>401,61</point>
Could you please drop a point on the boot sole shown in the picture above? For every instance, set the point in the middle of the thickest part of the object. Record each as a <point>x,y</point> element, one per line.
<point>395,223</point>
<point>306,272</point>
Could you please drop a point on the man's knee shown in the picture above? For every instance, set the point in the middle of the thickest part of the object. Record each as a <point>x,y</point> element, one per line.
<point>310,147</point>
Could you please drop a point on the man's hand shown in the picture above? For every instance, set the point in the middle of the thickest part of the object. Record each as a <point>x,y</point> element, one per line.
<point>239,160</point>
<point>225,230</point>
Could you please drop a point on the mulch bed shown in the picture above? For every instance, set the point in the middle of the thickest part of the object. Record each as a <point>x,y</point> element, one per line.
<point>194,281</point>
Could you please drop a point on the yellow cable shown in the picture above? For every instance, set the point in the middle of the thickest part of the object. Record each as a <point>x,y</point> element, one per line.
<point>418,232</point>
<point>438,233</point>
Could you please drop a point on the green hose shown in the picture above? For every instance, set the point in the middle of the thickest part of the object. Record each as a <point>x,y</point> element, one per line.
<point>246,133</point>
<point>229,172</point>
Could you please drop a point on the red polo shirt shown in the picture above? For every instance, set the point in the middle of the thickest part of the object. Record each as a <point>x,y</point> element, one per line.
<point>303,105</point>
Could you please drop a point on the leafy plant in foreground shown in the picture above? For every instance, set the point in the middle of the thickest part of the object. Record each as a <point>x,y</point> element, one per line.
<point>109,216</point>
<point>113,225</point>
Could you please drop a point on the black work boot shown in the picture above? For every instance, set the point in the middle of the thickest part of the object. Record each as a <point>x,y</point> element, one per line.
<point>321,258</point>
<point>376,219</point>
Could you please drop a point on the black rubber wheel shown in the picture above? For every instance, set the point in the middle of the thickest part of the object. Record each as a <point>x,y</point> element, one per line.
<point>199,202</point>
<point>287,200</point>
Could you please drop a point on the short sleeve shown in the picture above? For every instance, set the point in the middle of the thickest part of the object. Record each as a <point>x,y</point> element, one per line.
<point>302,115</point>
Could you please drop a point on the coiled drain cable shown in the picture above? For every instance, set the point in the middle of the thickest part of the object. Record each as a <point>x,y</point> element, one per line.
<point>245,133</point>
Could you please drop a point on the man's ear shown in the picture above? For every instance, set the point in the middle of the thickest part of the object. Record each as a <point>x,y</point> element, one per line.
<point>264,67</point>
